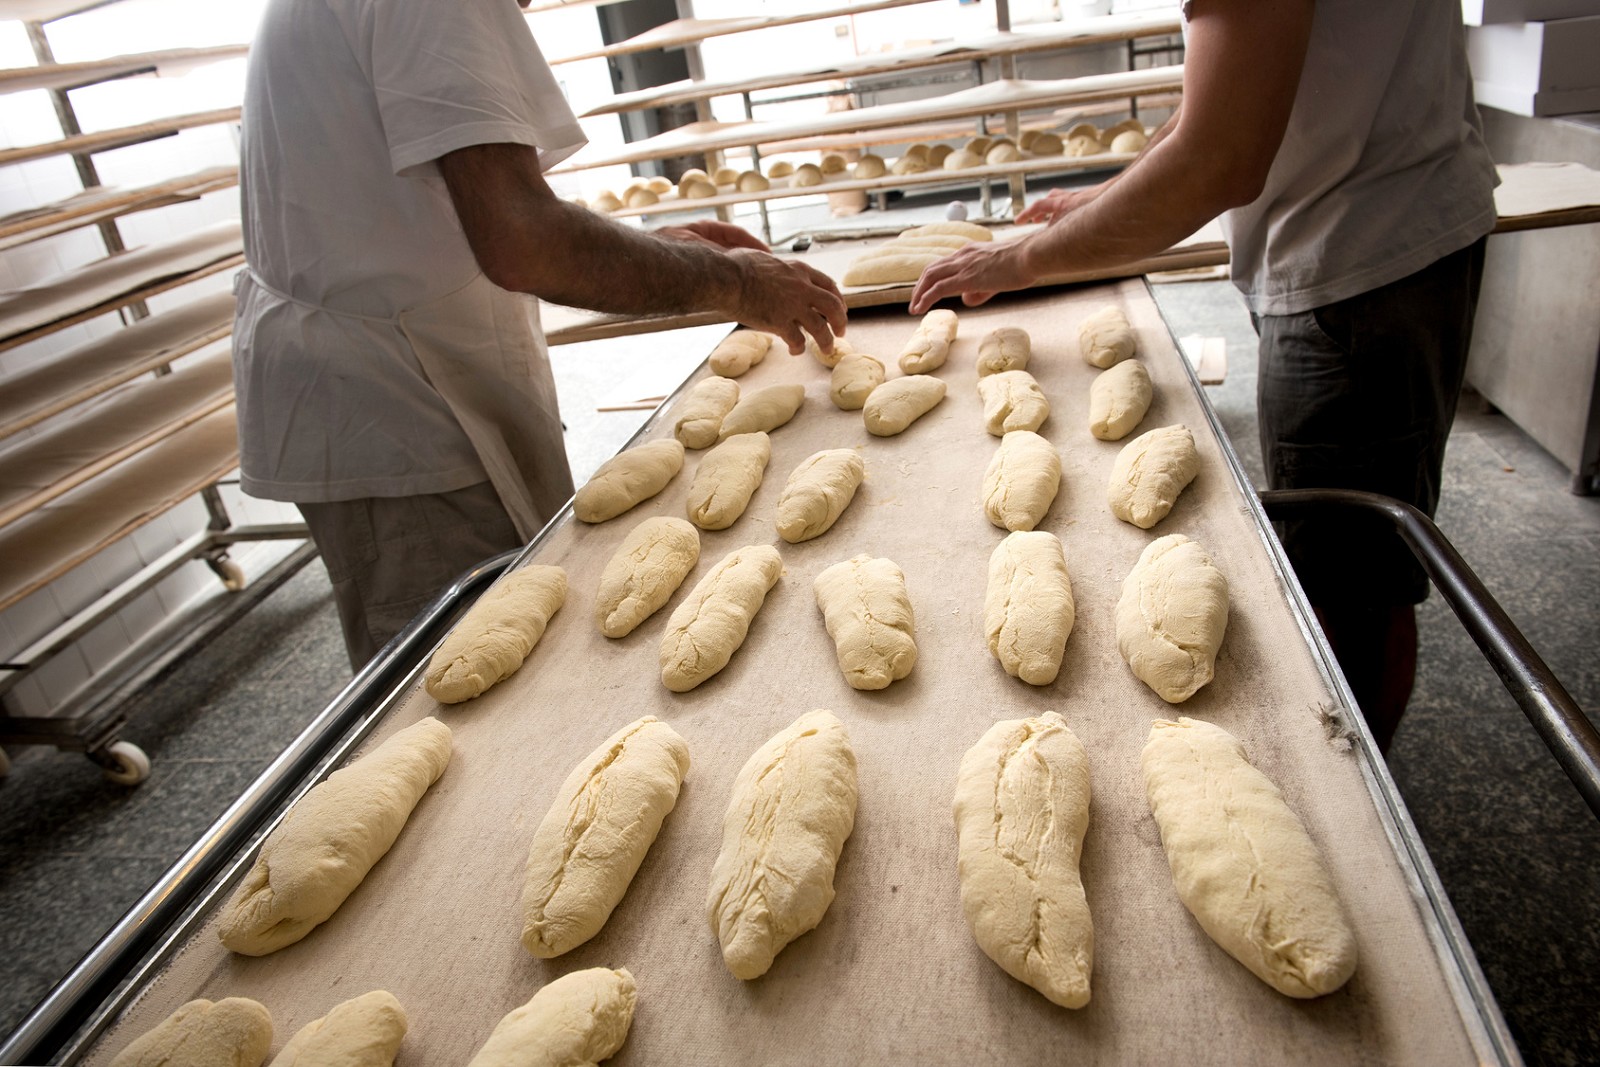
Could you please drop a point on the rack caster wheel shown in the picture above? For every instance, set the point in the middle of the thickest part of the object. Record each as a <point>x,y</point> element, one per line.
<point>124,763</point>
<point>231,573</point>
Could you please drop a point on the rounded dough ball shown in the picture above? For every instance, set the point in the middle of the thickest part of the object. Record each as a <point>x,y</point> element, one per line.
<point>1026,139</point>
<point>834,163</point>
<point>781,169</point>
<point>658,185</point>
<point>917,151</point>
<point>870,166</point>
<point>807,174</point>
<point>606,202</point>
<point>1129,141</point>
<point>1078,147</point>
<point>1046,144</point>
<point>643,198</point>
<point>938,154</point>
<point>961,159</point>
<point>1003,153</point>
<point>751,181</point>
<point>697,189</point>
<point>979,145</point>
<point>1110,133</point>
<point>1082,129</point>
<point>691,174</point>
<point>909,165</point>
<point>726,176</point>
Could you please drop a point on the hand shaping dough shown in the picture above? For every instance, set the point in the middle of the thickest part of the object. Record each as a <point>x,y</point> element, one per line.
<point>364,1032</point>
<point>628,478</point>
<point>1021,482</point>
<point>1012,400</point>
<point>330,840</point>
<point>1118,400</point>
<point>841,348</point>
<point>1243,863</point>
<point>793,806</point>
<point>868,614</point>
<point>708,627</point>
<point>701,411</point>
<point>1028,610</point>
<point>576,1021</point>
<point>818,492</point>
<point>1150,472</point>
<point>726,480</point>
<point>235,1032</point>
<point>892,269</point>
<point>929,346</point>
<point>496,634</point>
<point>738,352</point>
<point>894,405</point>
<point>596,833</point>
<point>1171,617</point>
<point>763,410</point>
<point>1007,348</point>
<point>1105,337</point>
<point>646,570</point>
<point>1022,807</point>
<point>855,376</point>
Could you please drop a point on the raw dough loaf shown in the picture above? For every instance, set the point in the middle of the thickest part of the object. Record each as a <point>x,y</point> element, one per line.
<point>599,827</point>
<point>1007,348</point>
<point>330,840</point>
<point>1082,129</point>
<point>1118,400</point>
<point>919,150</point>
<point>1110,133</point>
<point>606,202</point>
<point>235,1032</point>
<point>780,169</point>
<point>909,165</point>
<point>1004,152</point>
<point>1047,144</point>
<point>869,166</point>
<point>1105,338</point>
<point>936,155</point>
<point>1150,472</point>
<point>1129,141</point>
<point>364,1032</point>
<point>979,145</point>
<point>868,614</point>
<point>659,184</point>
<point>626,479</point>
<point>1243,863</point>
<point>1021,808</point>
<point>894,405</point>
<point>841,348</point>
<point>927,242</point>
<point>1012,400</point>
<point>728,175</point>
<point>1021,482</point>
<point>1171,617</point>
<point>576,1021</point>
<point>793,806</point>
<point>1028,610</point>
<point>818,492</point>
<point>752,182</point>
<point>1078,147</point>
<point>962,159</point>
<point>739,351</point>
<point>726,480</point>
<point>697,189</point>
<point>710,625</point>
<point>929,346</point>
<point>646,570</point>
<point>642,197</point>
<point>890,269</point>
<point>701,412</point>
<point>763,410</point>
<point>854,378</point>
<point>496,634</point>
<point>833,163</point>
<point>806,174</point>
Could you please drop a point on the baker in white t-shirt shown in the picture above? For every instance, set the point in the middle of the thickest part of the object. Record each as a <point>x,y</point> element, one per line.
<point>391,377</point>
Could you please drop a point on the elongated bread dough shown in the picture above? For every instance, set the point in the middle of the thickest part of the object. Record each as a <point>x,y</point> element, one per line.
<point>1118,400</point>
<point>1171,617</point>
<point>854,378</point>
<point>841,348</point>
<point>922,242</point>
<point>628,478</point>
<point>576,1021</point>
<point>1022,808</point>
<point>738,352</point>
<point>599,827</point>
<point>700,413</point>
<point>1242,861</point>
<point>363,1032</point>
<point>234,1032</point>
<point>817,493</point>
<point>330,840</point>
<point>1012,400</point>
<point>929,346</point>
<point>496,634</point>
<point>763,410</point>
<point>1105,338</point>
<point>710,625</point>
<point>868,614</point>
<point>793,806</point>
<point>1021,482</point>
<point>1007,348</point>
<point>1028,610</point>
<point>726,480</point>
<point>1150,472</point>
<point>890,269</point>
<point>896,404</point>
<point>647,568</point>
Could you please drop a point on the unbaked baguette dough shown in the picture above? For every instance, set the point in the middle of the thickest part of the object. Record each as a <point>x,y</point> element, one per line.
<point>817,493</point>
<point>710,625</point>
<point>644,572</point>
<point>701,412</point>
<point>896,404</point>
<point>1022,808</point>
<point>576,1021</point>
<point>1243,863</point>
<point>1007,348</point>
<point>841,348</point>
<point>1171,617</point>
<point>1105,338</point>
<point>235,1032</point>
<point>363,1032</point>
<point>854,378</point>
<point>868,614</point>
<point>726,479</point>
<point>925,242</point>
<point>628,478</point>
<point>738,352</point>
<point>929,346</point>
<point>969,230</point>
<point>1118,400</point>
<point>596,833</point>
<point>328,841</point>
<point>890,269</point>
<point>1021,482</point>
<point>1012,400</point>
<point>1028,610</point>
<point>1150,472</point>
<point>496,634</point>
<point>793,806</point>
<point>763,410</point>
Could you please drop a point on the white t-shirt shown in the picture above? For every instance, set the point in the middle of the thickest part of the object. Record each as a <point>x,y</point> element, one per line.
<point>347,224</point>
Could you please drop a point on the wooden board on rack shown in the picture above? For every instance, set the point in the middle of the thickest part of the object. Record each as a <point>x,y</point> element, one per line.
<point>104,140</point>
<point>169,63</point>
<point>102,203</point>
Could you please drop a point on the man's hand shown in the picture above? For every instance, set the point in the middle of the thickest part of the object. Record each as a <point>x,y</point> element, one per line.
<point>1056,203</point>
<point>786,297</point>
<point>977,272</point>
<point>724,235</point>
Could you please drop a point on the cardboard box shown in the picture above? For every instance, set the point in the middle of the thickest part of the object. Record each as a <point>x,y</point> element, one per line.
<point>1492,12</point>
<point>1537,68</point>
